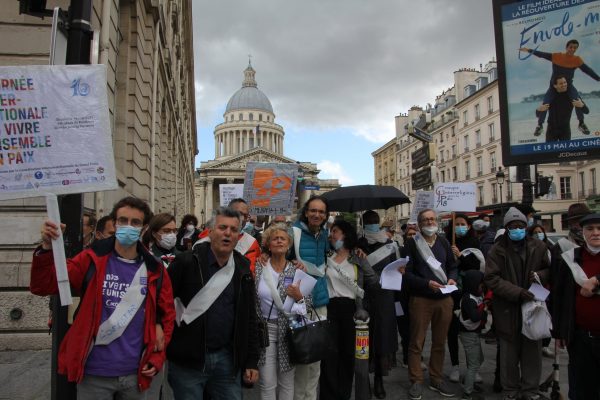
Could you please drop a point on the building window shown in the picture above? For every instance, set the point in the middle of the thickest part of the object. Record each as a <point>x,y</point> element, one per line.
<point>467,169</point>
<point>480,194</point>
<point>493,161</point>
<point>582,184</point>
<point>565,187</point>
<point>479,166</point>
<point>260,117</point>
<point>443,176</point>
<point>453,151</point>
<point>466,143</point>
<point>251,117</point>
<point>454,177</point>
<point>478,138</point>
<point>593,190</point>
<point>465,118</point>
<point>509,193</point>
<point>452,131</point>
<point>477,112</point>
<point>490,104</point>
<point>442,137</point>
<point>241,117</point>
<point>492,132</point>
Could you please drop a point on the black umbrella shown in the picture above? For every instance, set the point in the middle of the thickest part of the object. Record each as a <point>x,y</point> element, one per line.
<point>364,197</point>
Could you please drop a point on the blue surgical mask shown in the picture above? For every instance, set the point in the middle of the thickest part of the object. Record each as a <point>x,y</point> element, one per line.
<point>127,235</point>
<point>530,222</point>
<point>248,227</point>
<point>371,228</point>
<point>540,235</point>
<point>516,234</point>
<point>460,231</point>
<point>338,244</point>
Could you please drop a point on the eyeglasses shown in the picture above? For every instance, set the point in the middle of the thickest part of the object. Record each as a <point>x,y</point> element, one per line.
<point>316,211</point>
<point>123,221</point>
<point>428,219</point>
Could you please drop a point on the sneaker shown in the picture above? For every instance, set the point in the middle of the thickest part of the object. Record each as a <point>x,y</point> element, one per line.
<point>455,374</point>
<point>547,352</point>
<point>442,388</point>
<point>583,128</point>
<point>423,366</point>
<point>404,364</point>
<point>538,130</point>
<point>416,391</point>
<point>478,378</point>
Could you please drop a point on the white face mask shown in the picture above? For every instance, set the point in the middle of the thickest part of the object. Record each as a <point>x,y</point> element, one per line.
<point>168,241</point>
<point>190,228</point>
<point>429,230</point>
<point>591,249</point>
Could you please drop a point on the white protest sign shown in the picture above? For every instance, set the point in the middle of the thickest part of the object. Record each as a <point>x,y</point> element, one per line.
<point>454,197</point>
<point>270,188</point>
<point>230,191</point>
<point>55,132</point>
<point>423,200</point>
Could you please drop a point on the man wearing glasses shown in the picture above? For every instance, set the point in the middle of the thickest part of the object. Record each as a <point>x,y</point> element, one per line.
<point>509,272</point>
<point>110,348</point>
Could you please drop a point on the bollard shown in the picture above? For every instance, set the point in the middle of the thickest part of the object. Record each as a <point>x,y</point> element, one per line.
<point>361,359</point>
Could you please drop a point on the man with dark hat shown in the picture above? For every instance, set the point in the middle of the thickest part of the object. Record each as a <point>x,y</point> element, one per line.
<point>509,272</point>
<point>575,315</point>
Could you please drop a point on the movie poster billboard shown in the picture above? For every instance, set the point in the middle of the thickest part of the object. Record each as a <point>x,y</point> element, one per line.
<point>549,77</point>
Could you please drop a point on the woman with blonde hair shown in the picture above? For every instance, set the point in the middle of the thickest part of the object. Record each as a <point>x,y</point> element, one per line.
<point>273,281</point>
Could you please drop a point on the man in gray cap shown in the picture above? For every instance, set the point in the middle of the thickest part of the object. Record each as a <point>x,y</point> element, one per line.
<point>509,272</point>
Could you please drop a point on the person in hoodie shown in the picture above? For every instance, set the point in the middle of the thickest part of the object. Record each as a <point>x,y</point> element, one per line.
<point>472,317</point>
<point>379,302</point>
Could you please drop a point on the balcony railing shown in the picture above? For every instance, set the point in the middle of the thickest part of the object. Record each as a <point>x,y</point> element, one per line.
<point>592,192</point>
<point>493,169</point>
<point>581,194</point>
<point>566,196</point>
<point>477,145</point>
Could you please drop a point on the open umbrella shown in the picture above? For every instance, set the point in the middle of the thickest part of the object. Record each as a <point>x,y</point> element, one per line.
<point>364,197</point>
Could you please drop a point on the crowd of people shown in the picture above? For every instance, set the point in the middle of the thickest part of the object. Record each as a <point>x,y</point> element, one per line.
<point>204,309</point>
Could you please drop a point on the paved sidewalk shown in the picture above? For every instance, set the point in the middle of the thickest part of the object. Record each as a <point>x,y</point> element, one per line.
<point>25,375</point>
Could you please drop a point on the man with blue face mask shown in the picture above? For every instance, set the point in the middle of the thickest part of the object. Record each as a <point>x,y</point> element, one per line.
<point>509,272</point>
<point>111,348</point>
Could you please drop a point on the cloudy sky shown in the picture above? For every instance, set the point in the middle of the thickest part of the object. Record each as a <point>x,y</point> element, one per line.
<point>337,72</point>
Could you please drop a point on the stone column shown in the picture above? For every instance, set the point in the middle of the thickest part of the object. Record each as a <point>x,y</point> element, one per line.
<point>247,135</point>
<point>216,146</point>
<point>209,197</point>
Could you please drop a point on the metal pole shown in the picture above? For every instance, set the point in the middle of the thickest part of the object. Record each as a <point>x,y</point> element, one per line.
<point>71,206</point>
<point>501,203</point>
<point>361,362</point>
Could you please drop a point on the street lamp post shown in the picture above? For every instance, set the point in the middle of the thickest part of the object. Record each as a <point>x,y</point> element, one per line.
<point>500,180</point>
<point>202,216</point>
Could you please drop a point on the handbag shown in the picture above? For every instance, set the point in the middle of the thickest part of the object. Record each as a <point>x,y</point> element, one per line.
<point>263,330</point>
<point>310,342</point>
<point>537,322</point>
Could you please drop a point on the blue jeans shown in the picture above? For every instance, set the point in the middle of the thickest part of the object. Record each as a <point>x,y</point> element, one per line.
<point>217,376</point>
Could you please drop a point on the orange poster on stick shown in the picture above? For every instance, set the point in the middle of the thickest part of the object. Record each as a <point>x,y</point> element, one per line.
<point>269,188</point>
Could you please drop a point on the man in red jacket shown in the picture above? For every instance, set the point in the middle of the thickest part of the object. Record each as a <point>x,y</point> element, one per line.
<point>110,350</point>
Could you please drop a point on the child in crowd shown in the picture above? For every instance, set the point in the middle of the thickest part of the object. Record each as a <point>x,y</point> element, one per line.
<point>472,317</point>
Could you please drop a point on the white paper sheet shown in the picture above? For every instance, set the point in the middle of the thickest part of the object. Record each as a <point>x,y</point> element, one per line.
<point>448,289</point>
<point>391,278</point>
<point>307,283</point>
<point>58,250</point>
<point>433,262</point>
<point>540,292</point>
<point>399,310</point>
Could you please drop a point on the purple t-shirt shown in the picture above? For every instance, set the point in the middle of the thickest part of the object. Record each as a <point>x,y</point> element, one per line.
<point>121,356</point>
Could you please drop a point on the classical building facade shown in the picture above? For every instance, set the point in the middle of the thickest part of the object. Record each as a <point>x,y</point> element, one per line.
<point>385,174</point>
<point>249,133</point>
<point>464,123</point>
<point>146,46</point>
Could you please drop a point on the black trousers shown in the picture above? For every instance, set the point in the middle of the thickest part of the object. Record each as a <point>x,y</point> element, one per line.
<point>584,357</point>
<point>337,369</point>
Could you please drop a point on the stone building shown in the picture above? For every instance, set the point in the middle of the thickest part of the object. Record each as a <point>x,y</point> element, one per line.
<point>385,175</point>
<point>464,123</point>
<point>249,133</point>
<point>146,46</point>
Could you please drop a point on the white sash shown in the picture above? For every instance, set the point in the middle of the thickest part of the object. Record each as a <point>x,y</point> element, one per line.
<point>204,239</point>
<point>427,255</point>
<point>311,268</point>
<point>205,296</point>
<point>467,323</point>
<point>382,252</point>
<point>578,274</point>
<point>477,253</point>
<point>268,277</point>
<point>244,243</point>
<point>566,245</point>
<point>131,302</point>
<point>346,279</point>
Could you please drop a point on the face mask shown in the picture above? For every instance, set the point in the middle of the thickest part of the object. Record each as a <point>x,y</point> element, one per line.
<point>590,248</point>
<point>540,235</point>
<point>429,230</point>
<point>479,225</point>
<point>168,241</point>
<point>248,227</point>
<point>516,234</point>
<point>338,244</point>
<point>127,235</point>
<point>530,222</point>
<point>460,231</point>
<point>190,228</point>
<point>577,235</point>
<point>371,228</point>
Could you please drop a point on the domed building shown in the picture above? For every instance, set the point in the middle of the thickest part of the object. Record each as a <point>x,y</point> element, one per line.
<point>249,133</point>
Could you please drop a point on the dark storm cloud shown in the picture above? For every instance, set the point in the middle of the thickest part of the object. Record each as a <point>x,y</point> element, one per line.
<point>326,63</point>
